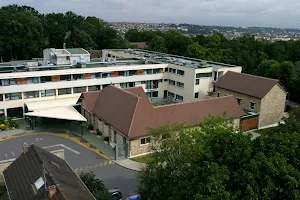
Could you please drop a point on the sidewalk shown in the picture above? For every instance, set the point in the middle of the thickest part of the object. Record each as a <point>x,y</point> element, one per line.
<point>130,164</point>
<point>22,129</point>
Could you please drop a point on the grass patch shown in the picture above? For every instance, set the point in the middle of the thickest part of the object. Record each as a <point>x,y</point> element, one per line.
<point>143,159</point>
<point>267,131</point>
<point>2,190</point>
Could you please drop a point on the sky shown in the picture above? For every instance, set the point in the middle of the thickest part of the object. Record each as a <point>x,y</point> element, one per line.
<point>262,13</point>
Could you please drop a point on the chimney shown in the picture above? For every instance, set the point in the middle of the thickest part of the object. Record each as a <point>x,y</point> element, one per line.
<point>25,147</point>
<point>64,46</point>
<point>52,191</point>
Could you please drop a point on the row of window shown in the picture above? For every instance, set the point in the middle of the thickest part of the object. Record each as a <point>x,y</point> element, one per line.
<point>176,83</point>
<point>174,71</point>
<point>69,77</point>
<point>175,96</point>
<point>47,93</point>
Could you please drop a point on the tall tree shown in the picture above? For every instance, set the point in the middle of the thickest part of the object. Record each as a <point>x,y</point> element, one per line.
<point>158,44</point>
<point>196,51</point>
<point>216,162</point>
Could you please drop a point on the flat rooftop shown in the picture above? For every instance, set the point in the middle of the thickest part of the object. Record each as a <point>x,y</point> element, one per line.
<point>160,58</point>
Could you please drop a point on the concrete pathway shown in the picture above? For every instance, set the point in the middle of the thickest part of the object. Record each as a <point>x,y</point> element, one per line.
<point>130,164</point>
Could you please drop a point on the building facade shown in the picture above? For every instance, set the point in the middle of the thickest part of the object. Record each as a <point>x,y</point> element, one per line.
<point>66,73</point>
<point>124,115</point>
<point>260,95</point>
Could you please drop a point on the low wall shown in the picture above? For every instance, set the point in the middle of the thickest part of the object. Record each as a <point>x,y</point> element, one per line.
<point>5,163</point>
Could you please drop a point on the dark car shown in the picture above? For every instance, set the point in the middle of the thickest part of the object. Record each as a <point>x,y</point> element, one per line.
<point>116,194</point>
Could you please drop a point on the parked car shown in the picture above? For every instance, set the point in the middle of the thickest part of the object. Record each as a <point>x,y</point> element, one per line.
<point>134,197</point>
<point>116,194</point>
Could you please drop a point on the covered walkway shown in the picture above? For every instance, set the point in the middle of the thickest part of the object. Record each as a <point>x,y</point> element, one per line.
<point>59,109</point>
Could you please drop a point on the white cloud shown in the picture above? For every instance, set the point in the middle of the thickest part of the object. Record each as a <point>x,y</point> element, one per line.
<point>276,13</point>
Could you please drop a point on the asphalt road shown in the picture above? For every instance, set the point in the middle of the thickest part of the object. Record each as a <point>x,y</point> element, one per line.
<point>78,157</point>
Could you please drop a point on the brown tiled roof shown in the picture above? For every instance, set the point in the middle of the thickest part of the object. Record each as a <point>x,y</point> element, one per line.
<point>21,175</point>
<point>255,86</point>
<point>139,45</point>
<point>90,99</point>
<point>130,111</point>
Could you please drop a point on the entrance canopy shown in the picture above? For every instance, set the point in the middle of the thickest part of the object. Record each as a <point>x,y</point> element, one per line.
<point>57,109</point>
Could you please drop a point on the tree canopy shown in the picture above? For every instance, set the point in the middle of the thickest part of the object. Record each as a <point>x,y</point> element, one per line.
<point>25,32</point>
<point>217,162</point>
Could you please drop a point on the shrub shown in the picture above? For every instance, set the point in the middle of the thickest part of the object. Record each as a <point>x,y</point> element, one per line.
<point>90,126</point>
<point>106,139</point>
<point>3,127</point>
<point>2,120</point>
<point>98,132</point>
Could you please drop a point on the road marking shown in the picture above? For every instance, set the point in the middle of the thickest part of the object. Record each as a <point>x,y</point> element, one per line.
<point>13,153</point>
<point>39,139</point>
<point>64,146</point>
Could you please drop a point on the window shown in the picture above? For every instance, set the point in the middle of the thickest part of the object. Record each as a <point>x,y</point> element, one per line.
<point>131,84</point>
<point>197,82</point>
<point>148,71</point>
<point>11,81</point>
<point>156,71</point>
<point>65,77</point>
<point>45,79</point>
<point>166,80</point>
<point>121,73</point>
<point>239,100</point>
<point>48,93</point>
<point>13,96</point>
<point>145,140</point>
<point>203,75</point>
<point>179,84</point>
<point>32,94</point>
<point>123,85</point>
<point>79,89</point>
<point>64,91</point>
<point>180,72</point>
<point>166,69</point>
<point>132,72</point>
<point>77,76</point>
<point>179,97</point>
<point>171,82</point>
<point>15,112</point>
<point>94,88</point>
<point>252,106</point>
<point>1,97</point>
<point>172,70</point>
<point>33,80</point>
<point>124,140</point>
<point>115,137</point>
<point>105,75</point>
<point>171,94</point>
<point>196,95</point>
<point>218,95</point>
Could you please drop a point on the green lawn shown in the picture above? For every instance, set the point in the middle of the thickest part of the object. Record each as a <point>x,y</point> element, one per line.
<point>143,159</point>
<point>2,190</point>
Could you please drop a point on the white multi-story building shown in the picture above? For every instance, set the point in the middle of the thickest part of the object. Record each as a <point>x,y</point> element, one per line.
<point>66,73</point>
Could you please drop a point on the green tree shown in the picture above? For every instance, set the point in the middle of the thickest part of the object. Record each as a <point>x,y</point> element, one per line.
<point>196,51</point>
<point>95,186</point>
<point>287,73</point>
<point>217,162</point>
<point>268,67</point>
<point>158,44</point>
<point>80,39</point>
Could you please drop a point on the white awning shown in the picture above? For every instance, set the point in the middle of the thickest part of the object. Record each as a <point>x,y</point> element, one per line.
<point>67,112</point>
<point>48,104</point>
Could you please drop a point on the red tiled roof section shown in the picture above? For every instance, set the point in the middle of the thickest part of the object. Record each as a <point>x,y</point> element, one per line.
<point>90,99</point>
<point>251,85</point>
<point>116,107</point>
<point>191,113</point>
<point>139,45</point>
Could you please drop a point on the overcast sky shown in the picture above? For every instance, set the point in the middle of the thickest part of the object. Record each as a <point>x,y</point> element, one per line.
<point>271,13</point>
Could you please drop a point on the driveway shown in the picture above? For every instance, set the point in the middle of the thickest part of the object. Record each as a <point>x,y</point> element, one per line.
<point>78,157</point>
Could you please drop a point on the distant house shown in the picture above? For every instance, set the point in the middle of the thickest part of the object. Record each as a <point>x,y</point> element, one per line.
<point>125,114</point>
<point>40,175</point>
<point>261,95</point>
<point>139,45</point>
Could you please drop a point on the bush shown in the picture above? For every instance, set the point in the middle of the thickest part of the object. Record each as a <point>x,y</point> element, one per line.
<point>98,132</point>
<point>106,139</point>
<point>12,124</point>
<point>3,127</point>
<point>90,126</point>
<point>2,120</point>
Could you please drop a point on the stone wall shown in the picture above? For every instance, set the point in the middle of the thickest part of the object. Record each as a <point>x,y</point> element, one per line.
<point>245,99</point>
<point>272,106</point>
<point>5,163</point>
<point>136,148</point>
